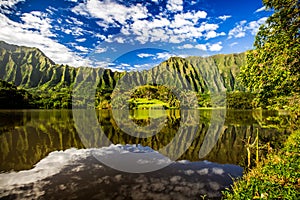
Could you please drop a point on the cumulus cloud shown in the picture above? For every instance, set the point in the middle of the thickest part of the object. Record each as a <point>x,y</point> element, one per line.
<point>253,26</point>
<point>191,46</point>
<point>111,12</point>
<point>216,47</point>
<point>38,22</point>
<point>137,22</point>
<point>24,35</point>
<point>242,27</point>
<point>224,17</point>
<point>82,49</point>
<point>175,5</point>
<point>213,34</point>
<point>164,55</point>
<point>238,31</point>
<point>204,47</point>
<point>7,5</point>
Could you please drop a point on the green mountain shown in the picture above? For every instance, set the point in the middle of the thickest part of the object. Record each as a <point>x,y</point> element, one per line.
<point>30,69</point>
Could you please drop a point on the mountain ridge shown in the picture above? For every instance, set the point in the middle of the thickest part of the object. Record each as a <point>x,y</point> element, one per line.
<point>31,69</point>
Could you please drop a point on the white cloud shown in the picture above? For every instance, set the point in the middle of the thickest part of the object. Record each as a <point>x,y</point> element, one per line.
<point>224,17</point>
<point>145,55</point>
<point>175,5</point>
<point>186,46</point>
<point>187,19</point>
<point>260,9</point>
<point>119,40</point>
<point>6,5</point>
<point>213,34</point>
<point>99,49</point>
<point>101,37</point>
<point>81,39</point>
<point>164,55</point>
<point>39,39</point>
<point>111,12</point>
<point>233,44</point>
<point>254,25</point>
<point>202,47</point>
<point>67,31</point>
<point>160,28</point>
<point>216,47</point>
<point>238,31</point>
<point>37,21</point>
<point>82,49</point>
<point>76,21</point>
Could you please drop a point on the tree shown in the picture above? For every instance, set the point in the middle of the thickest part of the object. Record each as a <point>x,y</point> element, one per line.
<point>273,67</point>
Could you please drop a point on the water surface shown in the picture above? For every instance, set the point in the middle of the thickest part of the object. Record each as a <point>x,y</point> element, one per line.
<point>51,154</point>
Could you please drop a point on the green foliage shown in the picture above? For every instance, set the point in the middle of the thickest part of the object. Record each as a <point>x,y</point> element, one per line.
<point>54,84</point>
<point>273,67</point>
<point>240,100</point>
<point>277,178</point>
<point>12,97</point>
<point>149,95</point>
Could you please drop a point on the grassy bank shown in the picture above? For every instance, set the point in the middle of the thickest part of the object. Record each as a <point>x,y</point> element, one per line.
<point>277,177</point>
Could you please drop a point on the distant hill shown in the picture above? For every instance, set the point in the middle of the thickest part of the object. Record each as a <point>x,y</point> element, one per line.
<point>12,97</point>
<point>30,69</point>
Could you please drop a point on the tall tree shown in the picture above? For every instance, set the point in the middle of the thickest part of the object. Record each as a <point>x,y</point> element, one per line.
<point>273,68</point>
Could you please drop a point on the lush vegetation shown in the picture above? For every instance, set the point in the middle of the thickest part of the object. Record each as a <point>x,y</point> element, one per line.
<point>278,177</point>
<point>273,72</point>
<point>12,97</point>
<point>30,69</point>
<point>273,67</point>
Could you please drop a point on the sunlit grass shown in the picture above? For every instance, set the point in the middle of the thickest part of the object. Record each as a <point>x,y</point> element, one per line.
<point>277,177</point>
<point>144,103</point>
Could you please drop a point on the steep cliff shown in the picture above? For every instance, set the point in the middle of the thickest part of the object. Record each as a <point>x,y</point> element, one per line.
<point>30,69</point>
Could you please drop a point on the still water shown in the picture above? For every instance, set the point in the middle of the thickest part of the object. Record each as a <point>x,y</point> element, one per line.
<point>141,154</point>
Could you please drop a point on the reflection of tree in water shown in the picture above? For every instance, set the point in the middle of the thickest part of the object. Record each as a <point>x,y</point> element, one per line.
<point>39,133</point>
<point>11,119</point>
<point>229,147</point>
<point>29,136</point>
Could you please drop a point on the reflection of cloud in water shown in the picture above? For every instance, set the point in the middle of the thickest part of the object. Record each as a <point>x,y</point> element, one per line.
<point>77,174</point>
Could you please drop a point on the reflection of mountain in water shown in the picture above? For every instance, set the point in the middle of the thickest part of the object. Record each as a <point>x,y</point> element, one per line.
<point>36,135</point>
<point>40,132</point>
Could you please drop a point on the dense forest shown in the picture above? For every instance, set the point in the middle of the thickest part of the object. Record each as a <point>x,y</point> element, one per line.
<point>53,85</point>
<point>12,97</point>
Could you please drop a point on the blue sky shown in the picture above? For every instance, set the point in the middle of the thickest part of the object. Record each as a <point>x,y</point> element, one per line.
<point>130,35</point>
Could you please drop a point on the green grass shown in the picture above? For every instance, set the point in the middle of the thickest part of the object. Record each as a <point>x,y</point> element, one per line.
<point>277,177</point>
<point>144,103</point>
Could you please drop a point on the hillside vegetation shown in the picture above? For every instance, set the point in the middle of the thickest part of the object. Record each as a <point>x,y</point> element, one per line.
<point>12,97</point>
<point>30,69</point>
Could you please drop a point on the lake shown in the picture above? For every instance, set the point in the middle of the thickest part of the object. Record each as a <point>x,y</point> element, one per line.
<point>137,154</point>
